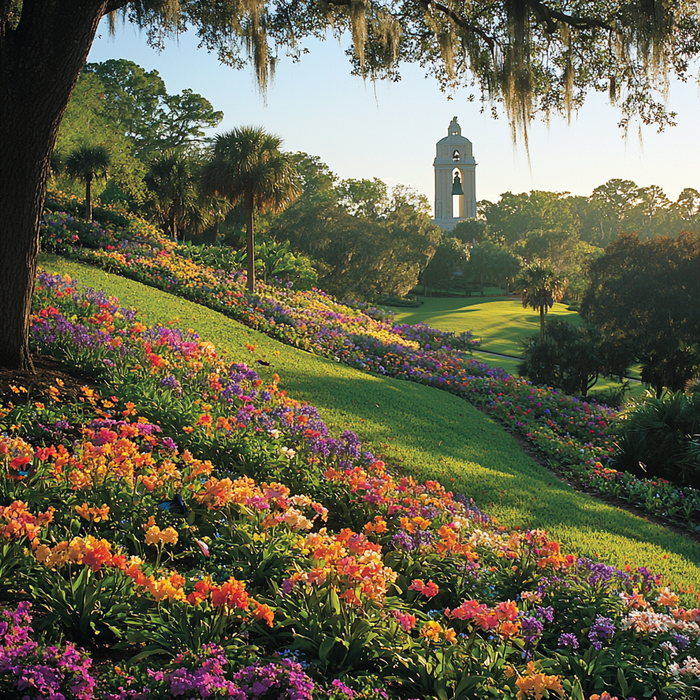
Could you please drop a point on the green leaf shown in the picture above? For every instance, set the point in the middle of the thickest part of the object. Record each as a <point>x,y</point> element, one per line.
<point>624,686</point>
<point>326,645</point>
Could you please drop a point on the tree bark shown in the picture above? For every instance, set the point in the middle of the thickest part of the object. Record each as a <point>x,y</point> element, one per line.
<point>39,65</point>
<point>250,238</point>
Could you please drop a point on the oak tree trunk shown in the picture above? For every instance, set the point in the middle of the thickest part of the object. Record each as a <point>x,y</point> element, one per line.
<point>39,65</point>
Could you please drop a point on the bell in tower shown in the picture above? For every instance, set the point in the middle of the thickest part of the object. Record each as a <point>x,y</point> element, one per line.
<point>455,179</point>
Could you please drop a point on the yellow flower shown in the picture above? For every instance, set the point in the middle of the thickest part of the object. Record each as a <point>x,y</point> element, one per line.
<point>168,536</point>
<point>431,631</point>
<point>153,535</point>
<point>42,553</point>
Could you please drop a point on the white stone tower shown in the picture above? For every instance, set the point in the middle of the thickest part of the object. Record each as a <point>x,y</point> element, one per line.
<point>454,159</point>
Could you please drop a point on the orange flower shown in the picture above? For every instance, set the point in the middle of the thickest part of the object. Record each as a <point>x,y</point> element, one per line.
<point>537,682</point>
<point>429,590</point>
<point>168,536</point>
<point>510,629</point>
<point>667,597</point>
<point>263,612</point>
<point>201,590</point>
<point>378,526</point>
<point>507,610</point>
<point>231,594</point>
<point>153,535</point>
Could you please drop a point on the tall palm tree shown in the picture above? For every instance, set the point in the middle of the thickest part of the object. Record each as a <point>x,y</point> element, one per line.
<point>540,287</point>
<point>172,190</point>
<point>247,164</point>
<point>85,164</point>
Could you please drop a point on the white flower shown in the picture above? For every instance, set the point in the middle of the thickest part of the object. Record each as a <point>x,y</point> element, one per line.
<point>288,452</point>
<point>669,648</point>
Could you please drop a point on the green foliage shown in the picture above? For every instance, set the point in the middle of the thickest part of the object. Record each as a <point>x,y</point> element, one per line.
<point>643,294</point>
<point>658,437</point>
<point>379,252</point>
<point>173,196</point>
<point>86,123</point>
<point>88,163</point>
<point>246,164</point>
<point>540,287</point>
<point>364,198</point>
<point>489,261</point>
<point>447,265</point>
<point>135,103</point>
<point>571,358</point>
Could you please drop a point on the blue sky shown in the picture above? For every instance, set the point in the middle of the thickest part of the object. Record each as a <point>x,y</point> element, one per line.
<point>389,130</point>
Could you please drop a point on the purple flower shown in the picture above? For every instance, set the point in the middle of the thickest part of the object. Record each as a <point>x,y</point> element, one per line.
<point>601,630</point>
<point>568,639</point>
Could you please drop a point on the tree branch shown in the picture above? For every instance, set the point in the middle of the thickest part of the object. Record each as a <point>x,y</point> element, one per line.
<point>459,21</point>
<point>113,5</point>
<point>547,16</point>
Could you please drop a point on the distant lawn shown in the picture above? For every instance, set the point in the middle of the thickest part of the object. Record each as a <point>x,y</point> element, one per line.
<point>501,324</point>
<point>431,434</point>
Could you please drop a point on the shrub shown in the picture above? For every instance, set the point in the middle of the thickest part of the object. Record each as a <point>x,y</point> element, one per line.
<point>659,437</point>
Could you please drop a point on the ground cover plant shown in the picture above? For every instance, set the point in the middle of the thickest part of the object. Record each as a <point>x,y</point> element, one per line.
<point>573,435</point>
<point>235,546</point>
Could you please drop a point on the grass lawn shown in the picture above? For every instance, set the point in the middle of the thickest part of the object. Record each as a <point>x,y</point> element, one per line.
<point>430,433</point>
<point>501,323</point>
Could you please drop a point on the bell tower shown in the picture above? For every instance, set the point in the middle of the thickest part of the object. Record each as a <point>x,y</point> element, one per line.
<point>455,179</point>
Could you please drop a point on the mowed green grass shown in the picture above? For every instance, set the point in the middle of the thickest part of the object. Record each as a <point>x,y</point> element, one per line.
<point>500,323</point>
<point>428,434</point>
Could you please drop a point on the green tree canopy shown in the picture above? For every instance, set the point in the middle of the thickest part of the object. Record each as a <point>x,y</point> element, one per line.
<point>173,194</point>
<point>646,295</point>
<point>540,287</point>
<point>137,105</point>
<point>572,358</point>
<point>359,254</point>
<point>86,124</point>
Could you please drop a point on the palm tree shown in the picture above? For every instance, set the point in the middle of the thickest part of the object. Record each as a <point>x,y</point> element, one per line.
<point>247,164</point>
<point>540,287</point>
<point>173,190</point>
<point>85,164</point>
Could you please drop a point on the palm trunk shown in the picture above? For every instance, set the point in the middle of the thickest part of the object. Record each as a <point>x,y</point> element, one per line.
<point>39,65</point>
<point>250,239</point>
<point>541,324</point>
<point>88,199</point>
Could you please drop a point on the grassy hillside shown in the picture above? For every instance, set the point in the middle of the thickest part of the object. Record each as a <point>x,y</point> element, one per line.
<point>500,323</point>
<point>431,434</point>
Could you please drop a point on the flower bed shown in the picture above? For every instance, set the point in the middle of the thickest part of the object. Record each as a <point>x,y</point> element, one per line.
<point>209,533</point>
<point>575,436</point>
